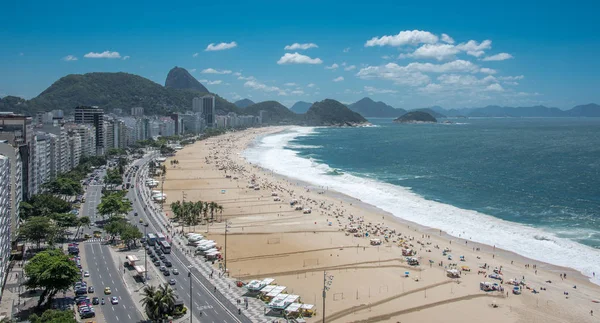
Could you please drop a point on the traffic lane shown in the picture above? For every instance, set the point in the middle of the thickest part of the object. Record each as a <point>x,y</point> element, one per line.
<point>103,273</point>
<point>203,297</point>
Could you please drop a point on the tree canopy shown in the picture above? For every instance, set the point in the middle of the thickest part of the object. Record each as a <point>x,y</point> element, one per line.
<point>52,271</point>
<point>43,205</point>
<point>53,316</point>
<point>39,228</point>
<point>114,204</point>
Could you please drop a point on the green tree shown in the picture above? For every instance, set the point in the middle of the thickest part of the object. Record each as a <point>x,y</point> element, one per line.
<point>113,177</point>
<point>158,302</point>
<point>52,271</point>
<point>64,185</point>
<point>83,221</point>
<point>37,229</point>
<point>130,233</point>
<point>114,204</point>
<point>43,205</point>
<point>53,316</point>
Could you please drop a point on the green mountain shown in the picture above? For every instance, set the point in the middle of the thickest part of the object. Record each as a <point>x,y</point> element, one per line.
<point>416,117</point>
<point>588,110</point>
<point>180,78</point>
<point>110,91</point>
<point>275,112</point>
<point>243,103</point>
<point>300,107</point>
<point>331,112</point>
<point>370,108</point>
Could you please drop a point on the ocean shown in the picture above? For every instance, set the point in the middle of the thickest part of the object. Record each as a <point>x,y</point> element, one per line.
<point>527,185</point>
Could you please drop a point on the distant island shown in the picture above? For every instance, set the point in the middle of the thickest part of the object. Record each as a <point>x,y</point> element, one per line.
<point>416,117</point>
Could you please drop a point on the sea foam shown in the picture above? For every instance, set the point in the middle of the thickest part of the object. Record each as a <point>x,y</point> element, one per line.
<point>269,152</point>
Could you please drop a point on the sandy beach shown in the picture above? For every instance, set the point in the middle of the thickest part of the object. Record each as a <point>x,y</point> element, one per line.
<point>268,238</point>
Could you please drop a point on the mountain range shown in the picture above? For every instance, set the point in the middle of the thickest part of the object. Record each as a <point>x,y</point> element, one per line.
<point>371,109</point>
<point>123,90</point>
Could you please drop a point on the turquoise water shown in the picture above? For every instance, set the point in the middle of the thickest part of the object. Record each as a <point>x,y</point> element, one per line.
<point>528,185</point>
<point>540,172</point>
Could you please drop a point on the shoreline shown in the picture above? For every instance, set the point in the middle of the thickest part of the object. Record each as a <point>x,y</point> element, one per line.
<point>573,272</point>
<point>257,220</point>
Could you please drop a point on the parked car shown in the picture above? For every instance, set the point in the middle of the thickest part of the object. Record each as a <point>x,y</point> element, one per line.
<point>91,289</point>
<point>175,271</point>
<point>166,273</point>
<point>168,263</point>
<point>95,300</point>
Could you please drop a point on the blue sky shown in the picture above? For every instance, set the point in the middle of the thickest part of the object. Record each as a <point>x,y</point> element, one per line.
<point>409,55</point>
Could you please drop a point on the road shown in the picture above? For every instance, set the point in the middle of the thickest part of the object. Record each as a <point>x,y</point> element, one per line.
<point>103,271</point>
<point>214,307</point>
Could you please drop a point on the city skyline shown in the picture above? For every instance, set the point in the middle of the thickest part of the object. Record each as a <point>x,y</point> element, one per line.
<point>450,57</point>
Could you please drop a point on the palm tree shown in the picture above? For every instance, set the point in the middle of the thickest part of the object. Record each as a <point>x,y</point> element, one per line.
<point>205,211</point>
<point>151,302</point>
<point>167,298</point>
<point>212,206</point>
<point>220,208</point>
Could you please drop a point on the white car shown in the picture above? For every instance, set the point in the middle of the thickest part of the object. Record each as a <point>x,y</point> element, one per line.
<point>86,274</point>
<point>114,300</point>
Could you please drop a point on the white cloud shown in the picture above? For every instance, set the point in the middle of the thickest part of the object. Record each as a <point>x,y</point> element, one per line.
<point>447,39</point>
<point>69,58</point>
<point>195,55</point>
<point>371,90</point>
<point>237,74</point>
<point>350,68</point>
<point>394,72</point>
<point>498,57</point>
<point>436,51</point>
<point>474,48</point>
<point>454,66</point>
<point>413,73</point>
<point>332,67</point>
<point>311,85</point>
<point>297,58</point>
<point>386,57</point>
<point>486,70</point>
<point>105,54</point>
<point>347,49</point>
<point>214,71</point>
<point>256,85</point>
<point>246,78</point>
<point>495,87</point>
<point>511,78</point>
<point>220,46</point>
<point>338,79</point>
<point>216,82</point>
<point>298,92</point>
<point>406,37</point>
<point>290,84</point>
<point>192,70</point>
<point>126,58</point>
<point>296,46</point>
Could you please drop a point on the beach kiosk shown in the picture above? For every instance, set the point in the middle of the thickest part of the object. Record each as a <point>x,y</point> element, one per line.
<point>453,273</point>
<point>255,286</point>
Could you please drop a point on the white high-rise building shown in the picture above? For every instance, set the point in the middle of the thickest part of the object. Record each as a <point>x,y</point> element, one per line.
<point>5,216</point>
<point>16,185</point>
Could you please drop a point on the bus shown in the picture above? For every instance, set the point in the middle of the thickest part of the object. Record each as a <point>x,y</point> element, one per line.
<point>165,246</point>
<point>160,236</point>
<point>151,239</point>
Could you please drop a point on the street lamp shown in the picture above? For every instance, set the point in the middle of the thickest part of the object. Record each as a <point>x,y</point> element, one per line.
<point>227,223</point>
<point>191,294</point>
<point>145,256</point>
<point>327,281</point>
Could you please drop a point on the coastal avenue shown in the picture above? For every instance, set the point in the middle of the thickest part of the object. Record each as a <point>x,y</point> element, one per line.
<point>215,308</point>
<point>103,271</point>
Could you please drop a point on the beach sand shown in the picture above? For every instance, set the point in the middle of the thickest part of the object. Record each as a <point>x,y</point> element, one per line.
<point>269,239</point>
